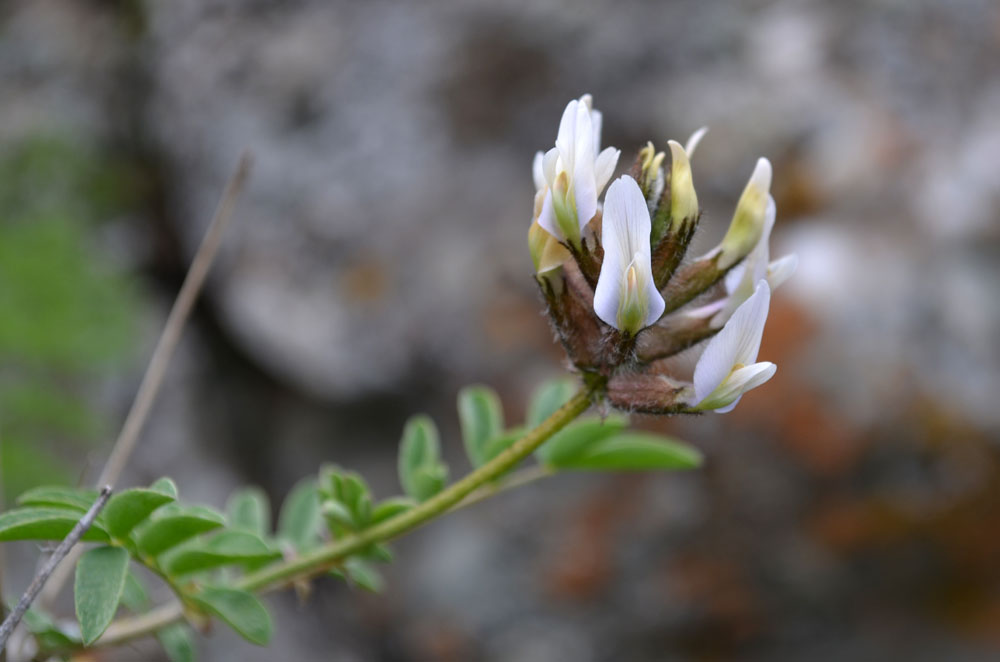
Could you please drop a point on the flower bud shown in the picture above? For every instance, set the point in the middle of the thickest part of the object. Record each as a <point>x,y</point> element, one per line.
<point>650,172</point>
<point>683,199</point>
<point>648,394</point>
<point>546,251</point>
<point>748,221</point>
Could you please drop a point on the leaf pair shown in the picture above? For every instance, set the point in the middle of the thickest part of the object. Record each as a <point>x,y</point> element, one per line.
<point>421,471</point>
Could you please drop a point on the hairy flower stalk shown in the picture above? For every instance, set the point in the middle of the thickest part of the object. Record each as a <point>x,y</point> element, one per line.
<point>625,303</point>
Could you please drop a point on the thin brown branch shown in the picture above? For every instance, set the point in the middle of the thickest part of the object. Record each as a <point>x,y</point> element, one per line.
<point>57,557</point>
<point>152,380</point>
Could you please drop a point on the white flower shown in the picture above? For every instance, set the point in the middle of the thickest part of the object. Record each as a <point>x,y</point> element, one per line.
<point>626,296</point>
<point>741,279</point>
<point>573,171</point>
<point>748,221</point>
<point>727,368</point>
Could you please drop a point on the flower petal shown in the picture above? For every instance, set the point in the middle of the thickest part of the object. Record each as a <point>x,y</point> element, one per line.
<point>604,167</point>
<point>625,236</point>
<point>738,383</point>
<point>547,217</point>
<point>694,140</point>
<point>566,138</point>
<point>549,164</point>
<point>537,171</point>
<point>737,343</point>
<point>781,269</point>
<point>596,121</point>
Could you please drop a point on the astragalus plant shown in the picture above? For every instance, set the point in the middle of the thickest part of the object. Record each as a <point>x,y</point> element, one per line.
<point>645,327</point>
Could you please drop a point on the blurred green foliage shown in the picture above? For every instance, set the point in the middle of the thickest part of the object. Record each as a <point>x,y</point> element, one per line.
<point>68,315</point>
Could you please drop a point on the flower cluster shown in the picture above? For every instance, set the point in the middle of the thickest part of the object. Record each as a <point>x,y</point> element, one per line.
<point>628,307</point>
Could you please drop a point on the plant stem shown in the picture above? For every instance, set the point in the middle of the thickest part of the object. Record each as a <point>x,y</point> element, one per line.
<point>321,559</point>
<point>470,489</point>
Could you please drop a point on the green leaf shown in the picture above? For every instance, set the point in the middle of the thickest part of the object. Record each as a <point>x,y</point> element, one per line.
<point>481,418</point>
<point>337,516</point>
<point>177,642</point>
<point>574,438</point>
<point>249,510</point>
<point>299,521</point>
<point>377,553</point>
<point>100,581</point>
<point>37,523</point>
<point>390,508</point>
<point>241,610</point>
<point>134,597</point>
<point>633,451</point>
<point>548,398</point>
<point>128,508</point>
<point>47,631</point>
<point>225,548</point>
<point>363,574</point>
<point>165,485</point>
<point>59,497</point>
<point>421,472</point>
<point>172,525</point>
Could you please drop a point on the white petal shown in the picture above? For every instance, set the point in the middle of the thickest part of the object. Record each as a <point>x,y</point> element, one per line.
<point>583,135</point>
<point>547,217</point>
<point>692,142</point>
<point>760,179</point>
<point>707,310</point>
<point>585,192</point>
<point>735,276</point>
<point>596,122</point>
<point>781,269</point>
<point>537,171</point>
<point>655,305</point>
<point>737,343</point>
<point>550,163</point>
<point>625,236</point>
<point>566,139</point>
<point>604,167</point>
<point>743,380</point>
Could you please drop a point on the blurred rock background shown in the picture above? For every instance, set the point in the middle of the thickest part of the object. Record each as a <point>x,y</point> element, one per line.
<point>847,511</point>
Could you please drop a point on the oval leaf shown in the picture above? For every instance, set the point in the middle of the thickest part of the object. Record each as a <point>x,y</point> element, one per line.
<point>165,485</point>
<point>177,642</point>
<point>128,508</point>
<point>241,610</point>
<point>421,472</point>
<point>481,418</point>
<point>634,451</point>
<point>390,508</point>
<point>38,523</point>
<point>59,497</point>
<point>576,437</point>
<point>548,398</point>
<point>100,580</point>
<point>300,521</point>
<point>226,548</point>
<point>173,524</point>
<point>249,510</point>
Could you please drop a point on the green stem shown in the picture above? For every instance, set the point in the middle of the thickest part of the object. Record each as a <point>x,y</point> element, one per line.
<point>321,559</point>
